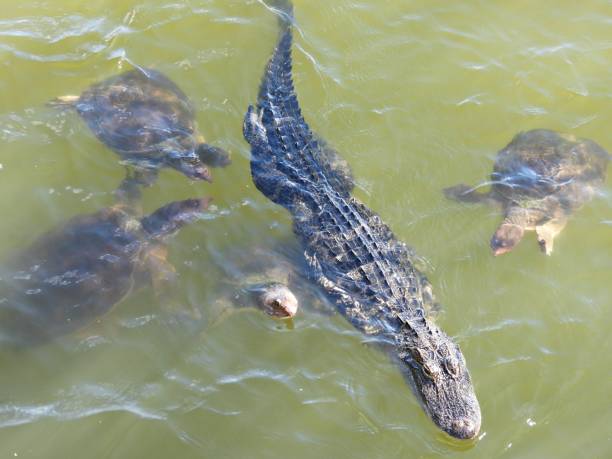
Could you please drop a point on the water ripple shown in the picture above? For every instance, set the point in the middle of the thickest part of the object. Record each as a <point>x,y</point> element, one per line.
<point>52,30</point>
<point>30,125</point>
<point>318,401</point>
<point>191,384</point>
<point>503,325</point>
<point>253,374</point>
<point>83,401</point>
<point>63,57</point>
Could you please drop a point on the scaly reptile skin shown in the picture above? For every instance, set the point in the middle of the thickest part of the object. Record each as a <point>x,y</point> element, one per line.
<point>353,254</point>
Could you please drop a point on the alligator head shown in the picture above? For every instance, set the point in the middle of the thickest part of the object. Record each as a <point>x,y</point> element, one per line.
<point>437,371</point>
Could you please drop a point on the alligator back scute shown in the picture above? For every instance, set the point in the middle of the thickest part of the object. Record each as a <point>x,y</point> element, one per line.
<point>360,259</point>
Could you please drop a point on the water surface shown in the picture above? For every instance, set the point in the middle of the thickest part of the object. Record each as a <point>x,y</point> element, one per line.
<point>416,96</point>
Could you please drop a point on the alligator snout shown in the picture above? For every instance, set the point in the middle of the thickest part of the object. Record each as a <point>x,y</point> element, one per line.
<point>464,428</point>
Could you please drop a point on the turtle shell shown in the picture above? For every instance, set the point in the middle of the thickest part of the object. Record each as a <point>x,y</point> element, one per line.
<point>70,276</point>
<point>541,164</point>
<point>140,114</point>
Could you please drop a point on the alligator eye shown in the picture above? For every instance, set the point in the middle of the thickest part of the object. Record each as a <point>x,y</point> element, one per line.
<point>431,372</point>
<point>452,367</point>
<point>417,355</point>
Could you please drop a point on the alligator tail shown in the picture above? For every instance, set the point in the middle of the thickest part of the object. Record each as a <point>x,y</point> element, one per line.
<point>288,161</point>
<point>284,10</point>
<point>271,126</point>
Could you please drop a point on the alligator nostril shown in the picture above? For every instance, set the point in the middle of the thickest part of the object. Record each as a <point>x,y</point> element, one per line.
<point>464,428</point>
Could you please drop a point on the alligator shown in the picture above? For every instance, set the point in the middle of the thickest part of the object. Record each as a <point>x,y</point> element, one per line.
<point>352,254</point>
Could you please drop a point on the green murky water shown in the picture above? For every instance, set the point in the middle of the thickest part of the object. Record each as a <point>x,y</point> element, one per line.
<point>417,96</point>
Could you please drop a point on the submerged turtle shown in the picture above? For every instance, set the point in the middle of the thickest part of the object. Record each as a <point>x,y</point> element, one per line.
<point>148,121</point>
<point>539,179</point>
<point>257,278</point>
<point>76,273</point>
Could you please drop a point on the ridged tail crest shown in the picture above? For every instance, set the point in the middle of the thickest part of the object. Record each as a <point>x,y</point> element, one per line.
<point>284,10</point>
<point>287,157</point>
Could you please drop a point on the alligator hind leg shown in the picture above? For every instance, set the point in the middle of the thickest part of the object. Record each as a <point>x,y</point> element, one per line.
<point>547,233</point>
<point>430,305</point>
<point>340,173</point>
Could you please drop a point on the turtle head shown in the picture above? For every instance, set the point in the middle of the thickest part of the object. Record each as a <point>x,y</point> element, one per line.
<point>168,219</point>
<point>275,299</point>
<point>507,236</point>
<point>189,164</point>
<point>179,154</point>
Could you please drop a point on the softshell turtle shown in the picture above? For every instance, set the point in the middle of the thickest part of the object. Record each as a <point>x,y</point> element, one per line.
<point>539,179</point>
<point>255,278</point>
<point>148,121</point>
<point>74,274</point>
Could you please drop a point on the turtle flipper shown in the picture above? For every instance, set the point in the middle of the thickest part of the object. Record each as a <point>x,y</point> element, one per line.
<point>161,270</point>
<point>64,101</point>
<point>466,193</point>
<point>163,278</point>
<point>220,311</point>
<point>547,233</point>
<point>128,194</point>
<point>170,218</point>
<point>145,176</point>
<point>213,156</point>
<point>143,173</point>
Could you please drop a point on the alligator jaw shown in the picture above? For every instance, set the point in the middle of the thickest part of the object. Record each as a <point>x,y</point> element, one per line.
<point>457,413</point>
